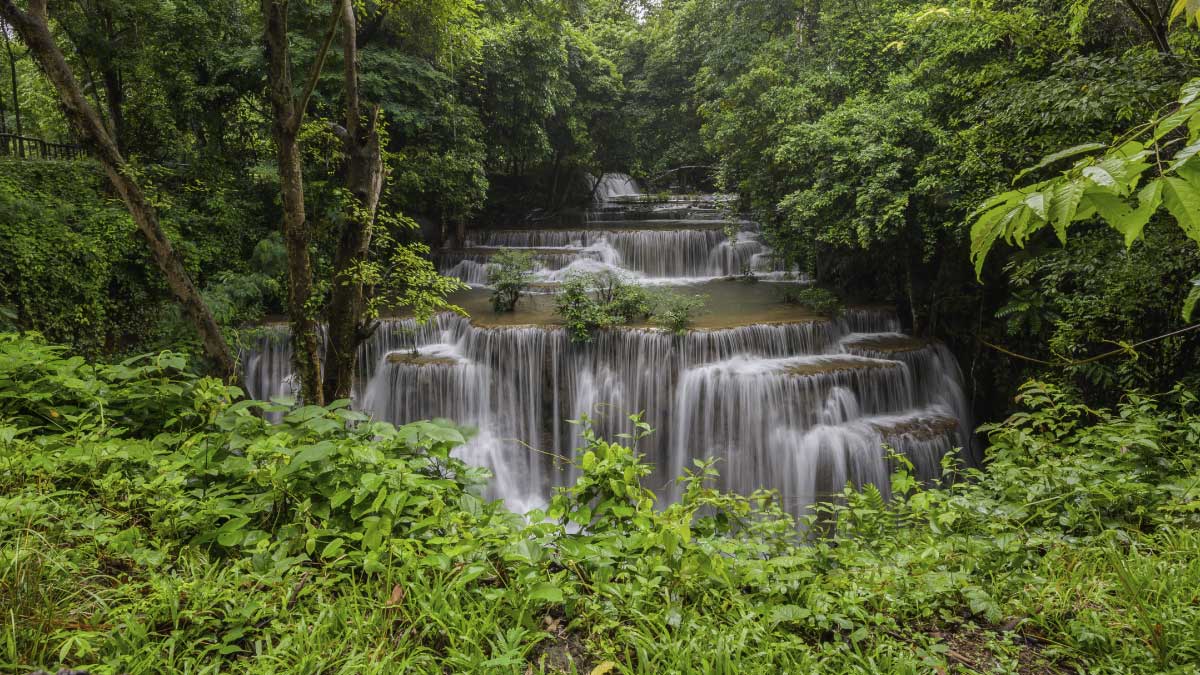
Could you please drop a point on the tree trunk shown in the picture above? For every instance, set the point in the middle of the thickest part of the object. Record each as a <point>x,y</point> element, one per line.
<point>347,321</point>
<point>33,27</point>
<point>1155,20</point>
<point>12,71</point>
<point>116,101</point>
<point>288,116</point>
<point>807,21</point>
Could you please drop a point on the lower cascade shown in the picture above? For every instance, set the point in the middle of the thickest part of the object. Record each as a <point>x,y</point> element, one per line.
<point>801,407</point>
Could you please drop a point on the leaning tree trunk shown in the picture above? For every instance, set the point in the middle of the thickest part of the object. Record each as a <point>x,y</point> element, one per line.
<point>33,27</point>
<point>347,320</point>
<point>297,235</point>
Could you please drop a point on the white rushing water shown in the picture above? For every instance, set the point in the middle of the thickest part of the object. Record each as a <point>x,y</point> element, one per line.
<point>673,241</point>
<point>804,407</point>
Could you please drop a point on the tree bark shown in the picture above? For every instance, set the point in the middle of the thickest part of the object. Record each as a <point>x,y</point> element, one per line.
<point>297,235</point>
<point>1155,20</point>
<point>347,321</point>
<point>33,27</point>
<point>807,21</point>
<point>12,69</point>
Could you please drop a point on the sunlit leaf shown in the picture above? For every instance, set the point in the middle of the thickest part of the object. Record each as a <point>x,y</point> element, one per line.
<point>1183,156</point>
<point>1189,304</point>
<point>1182,199</point>
<point>1037,202</point>
<point>1064,205</point>
<point>546,592</point>
<point>1061,154</point>
<point>984,233</point>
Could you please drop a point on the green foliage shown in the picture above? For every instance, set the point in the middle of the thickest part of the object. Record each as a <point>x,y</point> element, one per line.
<point>72,264</point>
<point>1068,303</point>
<point>819,300</point>
<point>1104,185</point>
<point>675,311</point>
<point>151,522</point>
<point>590,302</point>
<point>403,278</point>
<point>510,277</point>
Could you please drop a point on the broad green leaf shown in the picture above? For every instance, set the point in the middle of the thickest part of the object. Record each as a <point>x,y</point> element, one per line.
<point>333,548</point>
<point>546,592</point>
<point>1120,170</point>
<point>1149,199</point>
<point>231,533</point>
<point>789,614</point>
<point>1174,120</point>
<point>1189,171</point>
<point>1129,150</point>
<point>304,414</point>
<point>310,454</point>
<point>1124,218</point>
<point>1189,304</point>
<point>1064,205</point>
<point>1037,202</point>
<point>984,233</point>
<point>1061,154</point>
<point>1183,156</point>
<point>1016,225</point>
<point>1100,176</point>
<point>1189,8</point>
<point>340,497</point>
<point>1182,199</point>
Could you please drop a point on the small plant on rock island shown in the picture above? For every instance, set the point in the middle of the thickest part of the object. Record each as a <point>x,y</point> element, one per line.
<point>675,311</point>
<point>510,275</point>
<point>591,302</point>
<point>819,300</point>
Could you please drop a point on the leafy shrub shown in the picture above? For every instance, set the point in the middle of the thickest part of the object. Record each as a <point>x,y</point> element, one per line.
<point>510,276</point>
<point>675,311</point>
<point>819,300</point>
<point>73,270</point>
<point>591,302</point>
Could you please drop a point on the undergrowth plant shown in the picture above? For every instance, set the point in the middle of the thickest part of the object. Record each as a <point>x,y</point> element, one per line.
<point>152,522</point>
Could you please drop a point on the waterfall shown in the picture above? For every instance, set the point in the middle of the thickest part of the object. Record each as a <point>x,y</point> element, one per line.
<point>694,252</point>
<point>782,400</point>
<point>801,407</point>
<point>613,186</point>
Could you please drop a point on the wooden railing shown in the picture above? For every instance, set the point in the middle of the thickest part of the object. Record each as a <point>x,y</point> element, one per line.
<point>12,145</point>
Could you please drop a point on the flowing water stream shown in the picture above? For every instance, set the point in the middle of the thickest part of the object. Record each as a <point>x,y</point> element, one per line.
<point>785,400</point>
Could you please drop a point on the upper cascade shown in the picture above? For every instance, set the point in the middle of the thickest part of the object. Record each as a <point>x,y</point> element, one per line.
<point>659,239</point>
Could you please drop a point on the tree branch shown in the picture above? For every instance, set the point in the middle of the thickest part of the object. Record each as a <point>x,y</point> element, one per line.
<point>314,74</point>
<point>350,65</point>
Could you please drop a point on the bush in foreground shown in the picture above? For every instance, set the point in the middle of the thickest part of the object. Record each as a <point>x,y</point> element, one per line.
<point>151,523</point>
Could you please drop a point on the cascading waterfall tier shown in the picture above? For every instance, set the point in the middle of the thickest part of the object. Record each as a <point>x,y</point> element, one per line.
<point>649,239</point>
<point>801,405</point>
